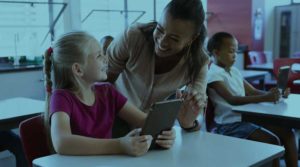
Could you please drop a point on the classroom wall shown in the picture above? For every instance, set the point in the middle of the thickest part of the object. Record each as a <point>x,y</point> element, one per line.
<point>270,22</point>
<point>231,18</point>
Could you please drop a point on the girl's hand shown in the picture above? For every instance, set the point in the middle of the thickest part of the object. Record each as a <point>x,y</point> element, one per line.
<point>193,103</point>
<point>166,138</point>
<point>286,93</point>
<point>134,144</point>
<point>273,95</point>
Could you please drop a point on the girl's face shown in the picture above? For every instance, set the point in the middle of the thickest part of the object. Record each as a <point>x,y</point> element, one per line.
<point>172,35</point>
<point>95,67</point>
<point>225,56</point>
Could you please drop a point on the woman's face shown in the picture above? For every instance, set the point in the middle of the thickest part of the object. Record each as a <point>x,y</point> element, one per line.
<point>172,35</point>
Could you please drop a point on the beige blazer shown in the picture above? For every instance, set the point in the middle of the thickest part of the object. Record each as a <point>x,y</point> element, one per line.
<point>131,56</point>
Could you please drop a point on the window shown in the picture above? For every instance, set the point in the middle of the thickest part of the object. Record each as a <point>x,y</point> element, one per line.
<point>107,17</point>
<point>24,27</point>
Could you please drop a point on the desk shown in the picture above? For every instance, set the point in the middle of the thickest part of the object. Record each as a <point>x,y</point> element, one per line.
<point>285,113</point>
<point>250,76</point>
<point>190,150</point>
<point>295,67</point>
<point>15,110</point>
<point>261,67</point>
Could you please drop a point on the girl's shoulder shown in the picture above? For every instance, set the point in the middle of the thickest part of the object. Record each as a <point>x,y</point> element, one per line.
<point>214,69</point>
<point>105,88</point>
<point>62,96</point>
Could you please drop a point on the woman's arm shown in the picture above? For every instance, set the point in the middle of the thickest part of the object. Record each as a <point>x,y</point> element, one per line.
<point>221,89</point>
<point>194,100</point>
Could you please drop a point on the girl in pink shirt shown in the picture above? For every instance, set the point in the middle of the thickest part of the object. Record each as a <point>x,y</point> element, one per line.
<point>81,112</point>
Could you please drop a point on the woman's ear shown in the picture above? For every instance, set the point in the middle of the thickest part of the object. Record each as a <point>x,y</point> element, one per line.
<point>77,69</point>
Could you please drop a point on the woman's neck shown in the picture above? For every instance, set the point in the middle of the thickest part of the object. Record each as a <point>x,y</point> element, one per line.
<point>166,64</point>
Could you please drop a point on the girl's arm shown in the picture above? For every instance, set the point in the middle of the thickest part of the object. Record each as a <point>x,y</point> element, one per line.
<point>64,142</point>
<point>221,89</point>
<point>251,91</point>
<point>132,115</point>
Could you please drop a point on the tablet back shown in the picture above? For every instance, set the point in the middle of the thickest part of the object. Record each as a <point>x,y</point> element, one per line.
<point>283,77</point>
<point>161,117</point>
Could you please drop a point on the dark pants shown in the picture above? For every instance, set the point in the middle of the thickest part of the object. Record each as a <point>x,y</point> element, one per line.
<point>11,142</point>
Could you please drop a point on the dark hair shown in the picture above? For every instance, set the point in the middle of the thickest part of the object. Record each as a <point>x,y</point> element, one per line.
<point>215,42</point>
<point>192,10</point>
<point>105,42</point>
<point>106,37</point>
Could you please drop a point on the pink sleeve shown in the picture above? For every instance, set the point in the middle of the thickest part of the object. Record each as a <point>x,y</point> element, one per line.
<point>60,102</point>
<point>119,99</point>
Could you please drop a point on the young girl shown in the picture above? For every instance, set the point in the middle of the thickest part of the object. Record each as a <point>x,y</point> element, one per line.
<point>227,87</point>
<point>82,112</point>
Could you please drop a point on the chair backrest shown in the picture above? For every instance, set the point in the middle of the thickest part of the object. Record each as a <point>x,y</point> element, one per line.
<point>34,138</point>
<point>286,62</point>
<point>209,116</point>
<point>256,57</point>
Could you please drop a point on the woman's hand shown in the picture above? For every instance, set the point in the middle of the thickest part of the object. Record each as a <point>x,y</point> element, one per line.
<point>193,104</point>
<point>134,144</point>
<point>166,138</point>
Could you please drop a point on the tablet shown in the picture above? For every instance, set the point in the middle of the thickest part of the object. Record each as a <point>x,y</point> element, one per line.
<point>283,77</point>
<point>160,118</point>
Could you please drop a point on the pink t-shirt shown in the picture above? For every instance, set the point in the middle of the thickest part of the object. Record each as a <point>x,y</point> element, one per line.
<point>92,121</point>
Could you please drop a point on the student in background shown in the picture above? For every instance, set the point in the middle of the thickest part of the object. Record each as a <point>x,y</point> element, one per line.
<point>11,142</point>
<point>226,87</point>
<point>105,41</point>
<point>149,62</point>
<point>82,111</point>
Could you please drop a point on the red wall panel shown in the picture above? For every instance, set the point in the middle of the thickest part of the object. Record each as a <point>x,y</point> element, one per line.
<point>235,17</point>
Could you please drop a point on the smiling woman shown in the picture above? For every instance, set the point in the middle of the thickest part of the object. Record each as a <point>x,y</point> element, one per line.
<point>149,62</point>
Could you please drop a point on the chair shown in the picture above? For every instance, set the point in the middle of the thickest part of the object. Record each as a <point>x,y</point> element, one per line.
<point>292,75</point>
<point>34,138</point>
<point>209,116</point>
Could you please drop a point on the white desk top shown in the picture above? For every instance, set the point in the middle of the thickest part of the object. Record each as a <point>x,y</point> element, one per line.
<point>267,66</point>
<point>18,107</point>
<point>252,73</point>
<point>296,67</point>
<point>287,108</point>
<point>190,150</point>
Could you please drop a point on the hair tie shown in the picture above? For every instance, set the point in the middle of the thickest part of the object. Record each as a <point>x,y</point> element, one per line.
<point>50,51</point>
<point>49,89</point>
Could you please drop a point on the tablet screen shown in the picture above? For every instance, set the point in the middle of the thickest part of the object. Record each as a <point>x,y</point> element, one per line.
<point>161,117</point>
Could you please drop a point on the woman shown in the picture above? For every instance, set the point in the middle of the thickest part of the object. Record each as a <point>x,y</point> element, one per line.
<point>149,62</point>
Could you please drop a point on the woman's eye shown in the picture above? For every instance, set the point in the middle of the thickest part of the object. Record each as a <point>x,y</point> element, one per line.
<point>159,30</point>
<point>175,40</point>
